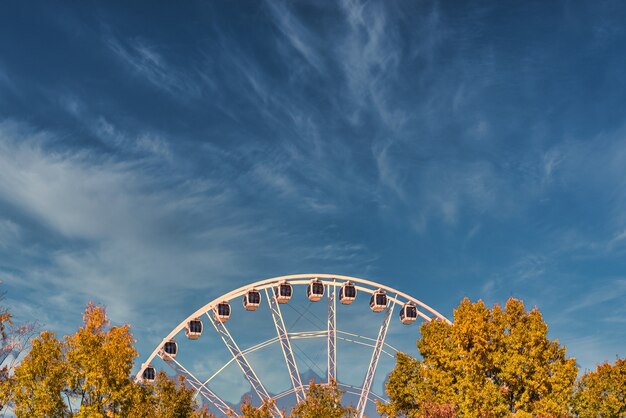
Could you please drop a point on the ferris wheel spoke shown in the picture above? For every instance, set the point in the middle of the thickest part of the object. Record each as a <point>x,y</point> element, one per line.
<point>332,333</point>
<point>371,370</point>
<point>241,360</point>
<point>346,294</point>
<point>201,388</point>
<point>285,345</point>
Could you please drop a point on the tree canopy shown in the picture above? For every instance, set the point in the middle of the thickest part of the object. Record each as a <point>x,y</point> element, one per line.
<point>602,393</point>
<point>488,363</point>
<point>265,410</point>
<point>14,340</point>
<point>87,374</point>
<point>40,379</point>
<point>323,401</point>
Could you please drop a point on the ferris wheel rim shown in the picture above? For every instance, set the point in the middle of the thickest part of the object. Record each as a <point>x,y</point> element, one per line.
<point>297,279</point>
<point>384,298</point>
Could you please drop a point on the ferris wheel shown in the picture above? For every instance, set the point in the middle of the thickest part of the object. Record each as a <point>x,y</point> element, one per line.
<point>278,293</point>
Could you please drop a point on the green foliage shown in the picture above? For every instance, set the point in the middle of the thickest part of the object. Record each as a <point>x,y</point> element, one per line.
<point>323,401</point>
<point>488,363</point>
<point>602,393</point>
<point>404,386</point>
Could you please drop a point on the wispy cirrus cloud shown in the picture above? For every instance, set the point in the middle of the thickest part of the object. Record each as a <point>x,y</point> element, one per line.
<point>369,54</point>
<point>597,296</point>
<point>128,231</point>
<point>298,36</point>
<point>148,63</point>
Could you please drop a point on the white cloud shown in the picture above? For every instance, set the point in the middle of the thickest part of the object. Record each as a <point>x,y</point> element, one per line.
<point>297,34</point>
<point>149,64</point>
<point>9,232</point>
<point>132,233</point>
<point>369,54</point>
<point>597,295</point>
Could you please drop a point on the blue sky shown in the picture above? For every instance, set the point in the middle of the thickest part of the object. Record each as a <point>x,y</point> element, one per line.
<point>154,156</point>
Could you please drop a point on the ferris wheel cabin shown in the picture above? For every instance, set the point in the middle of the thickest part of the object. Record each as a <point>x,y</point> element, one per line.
<point>221,312</point>
<point>408,313</point>
<point>347,293</point>
<point>193,329</point>
<point>252,300</point>
<point>378,301</point>
<point>149,374</point>
<point>315,290</point>
<point>169,350</point>
<point>283,292</point>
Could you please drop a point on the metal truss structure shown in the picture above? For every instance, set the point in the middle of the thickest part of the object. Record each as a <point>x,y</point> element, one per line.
<point>332,333</point>
<point>371,370</point>
<point>285,345</point>
<point>200,388</point>
<point>284,337</point>
<point>240,358</point>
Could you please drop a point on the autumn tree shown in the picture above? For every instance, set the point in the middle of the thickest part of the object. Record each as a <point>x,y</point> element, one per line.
<point>87,374</point>
<point>323,401</point>
<point>172,398</point>
<point>265,410</point>
<point>166,397</point>
<point>39,380</point>
<point>99,360</point>
<point>14,340</point>
<point>488,363</point>
<point>602,393</point>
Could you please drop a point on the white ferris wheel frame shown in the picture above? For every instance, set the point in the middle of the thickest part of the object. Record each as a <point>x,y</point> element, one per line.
<point>331,282</point>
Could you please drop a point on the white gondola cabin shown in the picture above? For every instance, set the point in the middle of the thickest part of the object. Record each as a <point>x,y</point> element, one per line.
<point>169,350</point>
<point>378,301</point>
<point>347,293</point>
<point>408,313</point>
<point>193,329</point>
<point>149,374</point>
<point>252,300</point>
<point>283,292</point>
<point>315,290</point>
<point>221,312</point>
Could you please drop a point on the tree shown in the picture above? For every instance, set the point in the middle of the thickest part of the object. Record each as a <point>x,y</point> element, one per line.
<point>266,410</point>
<point>488,363</point>
<point>602,393</point>
<point>404,387</point>
<point>39,379</point>
<point>91,368</point>
<point>323,401</point>
<point>99,361</point>
<point>14,340</point>
<point>172,398</point>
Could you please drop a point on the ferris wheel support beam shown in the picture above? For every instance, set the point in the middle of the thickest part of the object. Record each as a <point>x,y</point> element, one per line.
<point>371,370</point>
<point>200,388</point>
<point>332,333</point>
<point>246,368</point>
<point>285,345</point>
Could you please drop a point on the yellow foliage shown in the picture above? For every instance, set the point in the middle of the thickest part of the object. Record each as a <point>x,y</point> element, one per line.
<point>99,363</point>
<point>39,379</point>
<point>488,363</point>
<point>323,401</point>
<point>602,393</point>
<point>265,410</point>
